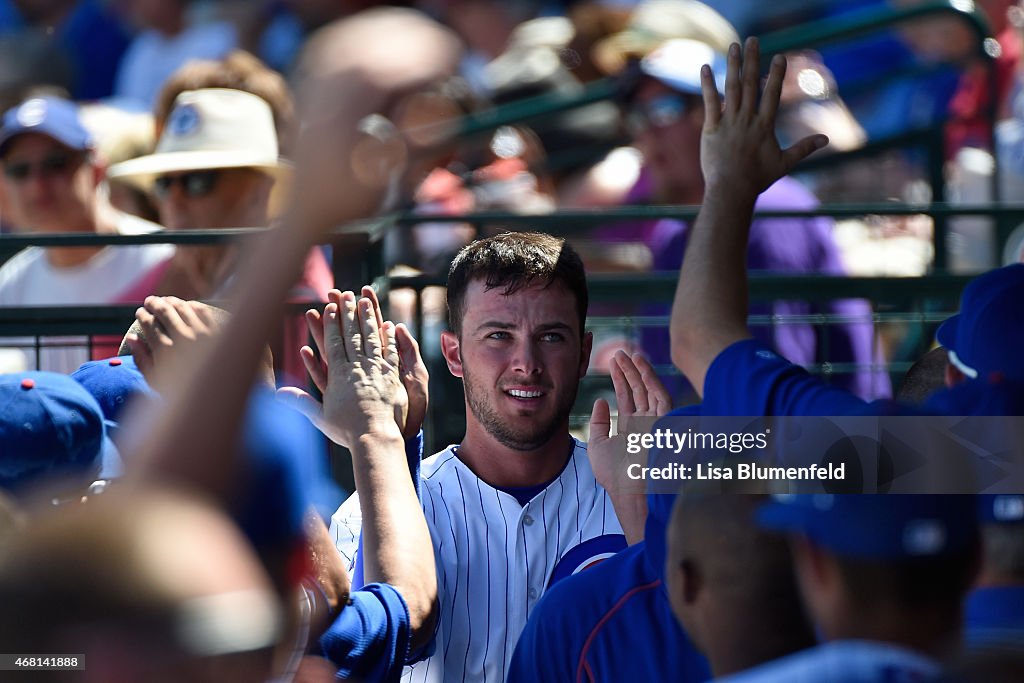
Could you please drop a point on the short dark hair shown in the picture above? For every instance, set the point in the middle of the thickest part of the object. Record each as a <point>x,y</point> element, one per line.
<point>514,261</point>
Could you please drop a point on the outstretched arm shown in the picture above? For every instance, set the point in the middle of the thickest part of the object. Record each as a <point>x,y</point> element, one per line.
<point>740,158</point>
<point>363,387</point>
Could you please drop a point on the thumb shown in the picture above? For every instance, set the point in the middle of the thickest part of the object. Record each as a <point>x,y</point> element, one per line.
<point>301,401</point>
<point>802,149</point>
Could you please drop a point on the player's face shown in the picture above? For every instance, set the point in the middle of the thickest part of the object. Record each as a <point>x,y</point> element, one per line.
<point>48,187</point>
<point>520,358</point>
<point>667,130</point>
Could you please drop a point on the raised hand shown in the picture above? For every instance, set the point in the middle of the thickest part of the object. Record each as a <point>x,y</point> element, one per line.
<point>409,413</point>
<point>739,152</point>
<point>639,394</point>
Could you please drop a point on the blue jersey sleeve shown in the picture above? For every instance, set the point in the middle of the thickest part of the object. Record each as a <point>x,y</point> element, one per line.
<point>748,378</point>
<point>369,641</point>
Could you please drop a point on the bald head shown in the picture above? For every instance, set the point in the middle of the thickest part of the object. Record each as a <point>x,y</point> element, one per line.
<point>731,584</point>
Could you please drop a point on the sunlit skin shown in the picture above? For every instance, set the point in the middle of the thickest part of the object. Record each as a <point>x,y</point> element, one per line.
<point>238,199</point>
<point>672,152</point>
<point>521,358</point>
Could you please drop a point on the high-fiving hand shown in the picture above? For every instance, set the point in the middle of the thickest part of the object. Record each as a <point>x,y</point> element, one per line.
<point>739,150</point>
<point>399,351</point>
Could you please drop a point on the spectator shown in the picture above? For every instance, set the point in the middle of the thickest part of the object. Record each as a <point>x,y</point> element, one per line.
<point>217,165</point>
<point>668,115</point>
<point>166,41</point>
<point>87,37</point>
<point>50,180</point>
<point>239,70</point>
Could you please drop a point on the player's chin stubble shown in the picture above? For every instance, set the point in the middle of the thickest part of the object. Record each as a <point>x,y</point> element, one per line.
<point>516,439</point>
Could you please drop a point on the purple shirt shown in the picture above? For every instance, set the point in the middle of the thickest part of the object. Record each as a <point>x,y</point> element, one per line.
<point>786,245</point>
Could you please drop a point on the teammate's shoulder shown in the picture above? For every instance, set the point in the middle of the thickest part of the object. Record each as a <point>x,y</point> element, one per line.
<point>599,587</point>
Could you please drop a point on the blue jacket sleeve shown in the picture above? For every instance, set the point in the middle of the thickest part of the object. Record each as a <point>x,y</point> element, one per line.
<point>370,638</point>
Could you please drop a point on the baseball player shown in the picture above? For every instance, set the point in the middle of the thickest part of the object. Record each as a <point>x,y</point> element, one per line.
<point>883,578</point>
<point>994,611</point>
<point>614,622</point>
<point>711,344</point>
<point>515,507</point>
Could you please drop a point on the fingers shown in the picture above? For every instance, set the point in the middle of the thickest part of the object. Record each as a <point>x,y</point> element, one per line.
<point>600,420</point>
<point>166,313</point>
<point>773,89</point>
<point>152,329</point>
<point>370,293</point>
<point>733,88</point>
<point>658,397</point>
<point>623,392</point>
<point>390,343</point>
<point>370,329</point>
<point>712,100</point>
<point>333,343</point>
<point>349,330</point>
<point>801,150</point>
<point>315,324</point>
<point>408,349</point>
<point>635,383</point>
<point>751,77</point>
<point>315,368</point>
<point>142,354</point>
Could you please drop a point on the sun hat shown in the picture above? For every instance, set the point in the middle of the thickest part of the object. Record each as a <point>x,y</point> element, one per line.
<point>212,128</point>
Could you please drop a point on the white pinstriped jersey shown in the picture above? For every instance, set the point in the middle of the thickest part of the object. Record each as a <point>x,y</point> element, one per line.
<point>495,558</point>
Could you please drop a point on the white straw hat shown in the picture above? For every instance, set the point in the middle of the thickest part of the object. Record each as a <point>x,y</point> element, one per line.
<point>209,129</point>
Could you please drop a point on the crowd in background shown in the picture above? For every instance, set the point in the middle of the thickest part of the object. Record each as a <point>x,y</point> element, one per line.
<point>139,117</point>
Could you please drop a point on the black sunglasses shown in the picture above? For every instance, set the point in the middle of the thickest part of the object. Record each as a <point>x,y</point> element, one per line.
<point>193,183</point>
<point>54,164</point>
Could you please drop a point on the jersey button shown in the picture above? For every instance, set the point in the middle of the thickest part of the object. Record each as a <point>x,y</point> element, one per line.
<point>527,520</point>
<point>533,593</point>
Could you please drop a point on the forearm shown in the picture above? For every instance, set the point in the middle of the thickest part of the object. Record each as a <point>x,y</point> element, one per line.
<point>631,511</point>
<point>710,308</point>
<point>397,548</point>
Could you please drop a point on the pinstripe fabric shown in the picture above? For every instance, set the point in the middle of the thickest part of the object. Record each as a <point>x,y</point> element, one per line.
<point>494,557</point>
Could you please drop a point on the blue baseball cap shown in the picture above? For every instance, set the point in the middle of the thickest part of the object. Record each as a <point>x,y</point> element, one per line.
<point>51,426</point>
<point>677,63</point>
<point>1001,508</point>
<point>53,117</point>
<point>986,338</point>
<point>112,382</point>
<point>877,526</point>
